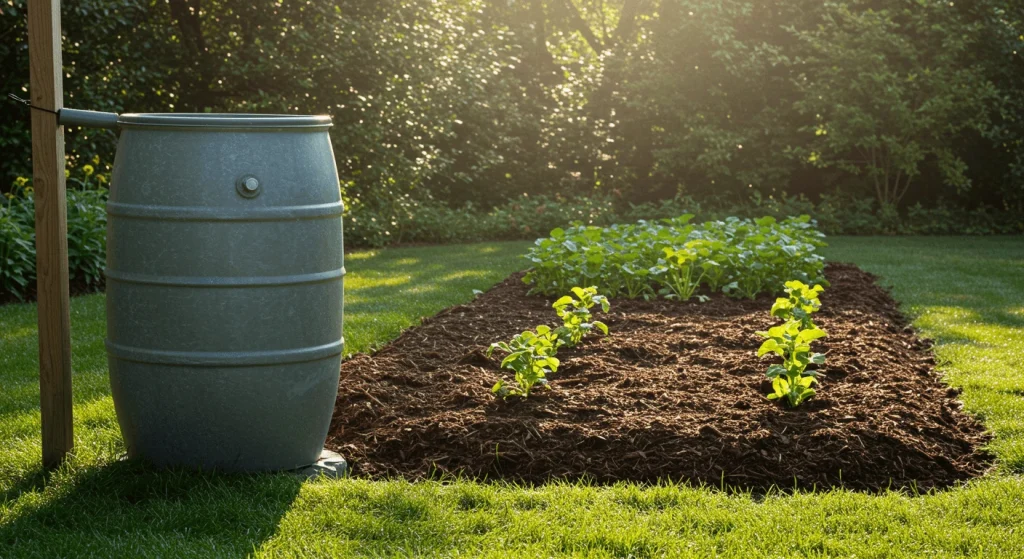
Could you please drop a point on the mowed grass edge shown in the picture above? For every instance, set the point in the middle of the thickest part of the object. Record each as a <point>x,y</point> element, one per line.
<point>961,291</point>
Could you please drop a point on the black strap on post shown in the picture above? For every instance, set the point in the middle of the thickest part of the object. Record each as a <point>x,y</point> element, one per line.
<point>30,105</point>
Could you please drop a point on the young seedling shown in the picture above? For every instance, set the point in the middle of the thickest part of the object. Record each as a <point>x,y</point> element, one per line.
<point>800,303</point>
<point>531,355</point>
<point>792,341</point>
<point>575,314</point>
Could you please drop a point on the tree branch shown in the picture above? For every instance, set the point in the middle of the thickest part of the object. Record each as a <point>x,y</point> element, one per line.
<point>874,177</point>
<point>631,11</point>
<point>186,14</point>
<point>906,186</point>
<point>577,22</point>
<point>540,33</point>
<point>887,165</point>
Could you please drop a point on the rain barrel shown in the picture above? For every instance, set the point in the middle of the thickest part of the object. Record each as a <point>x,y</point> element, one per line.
<point>224,289</point>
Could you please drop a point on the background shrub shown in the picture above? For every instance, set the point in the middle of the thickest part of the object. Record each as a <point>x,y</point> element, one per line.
<point>17,242</point>
<point>471,101</point>
<point>87,224</point>
<point>524,217</point>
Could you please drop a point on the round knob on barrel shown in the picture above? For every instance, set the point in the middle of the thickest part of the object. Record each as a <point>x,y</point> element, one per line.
<point>248,186</point>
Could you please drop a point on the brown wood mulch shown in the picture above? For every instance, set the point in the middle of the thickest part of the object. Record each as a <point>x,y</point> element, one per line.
<point>676,392</point>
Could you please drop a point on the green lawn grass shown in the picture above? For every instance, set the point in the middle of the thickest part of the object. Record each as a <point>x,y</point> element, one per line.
<point>967,293</point>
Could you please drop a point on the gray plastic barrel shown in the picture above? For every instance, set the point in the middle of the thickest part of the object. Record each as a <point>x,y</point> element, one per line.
<point>224,289</point>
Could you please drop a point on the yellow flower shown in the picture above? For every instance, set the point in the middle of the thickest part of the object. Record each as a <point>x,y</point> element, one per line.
<point>20,181</point>
<point>88,170</point>
<point>95,160</point>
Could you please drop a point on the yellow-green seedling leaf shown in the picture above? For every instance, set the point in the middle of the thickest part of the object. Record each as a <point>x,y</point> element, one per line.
<point>781,307</point>
<point>500,390</point>
<point>769,346</point>
<point>510,358</point>
<point>777,331</point>
<point>781,386</point>
<point>811,334</point>
<point>562,301</point>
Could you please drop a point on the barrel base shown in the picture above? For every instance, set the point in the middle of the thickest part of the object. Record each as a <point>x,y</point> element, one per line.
<point>230,419</point>
<point>330,465</point>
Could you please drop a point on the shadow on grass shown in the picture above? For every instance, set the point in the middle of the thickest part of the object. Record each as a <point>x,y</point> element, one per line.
<point>447,277</point>
<point>135,509</point>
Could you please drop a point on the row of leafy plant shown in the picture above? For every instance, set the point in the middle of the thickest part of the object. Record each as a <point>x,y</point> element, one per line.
<point>674,258</point>
<point>531,354</point>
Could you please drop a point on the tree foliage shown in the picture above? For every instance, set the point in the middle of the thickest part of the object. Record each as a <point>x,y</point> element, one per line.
<point>478,101</point>
<point>882,99</point>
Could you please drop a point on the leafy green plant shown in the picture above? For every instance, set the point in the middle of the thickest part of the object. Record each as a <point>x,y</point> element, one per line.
<point>575,314</point>
<point>678,272</point>
<point>531,355</point>
<point>675,258</point>
<point>636,282</point>
<point>87,234</point>
<point>791,379</point>
<point>86,222</point>
<point>17,241</point>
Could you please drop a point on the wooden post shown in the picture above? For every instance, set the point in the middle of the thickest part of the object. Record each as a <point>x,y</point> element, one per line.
<point>47,92</point>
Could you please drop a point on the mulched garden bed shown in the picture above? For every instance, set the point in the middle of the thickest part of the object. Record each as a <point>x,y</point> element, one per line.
<point>675,392</point>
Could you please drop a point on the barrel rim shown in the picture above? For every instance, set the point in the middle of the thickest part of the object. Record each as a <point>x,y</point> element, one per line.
<point>225,121</point>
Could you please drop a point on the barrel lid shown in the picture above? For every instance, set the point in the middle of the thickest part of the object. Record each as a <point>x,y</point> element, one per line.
<point>225,121</point>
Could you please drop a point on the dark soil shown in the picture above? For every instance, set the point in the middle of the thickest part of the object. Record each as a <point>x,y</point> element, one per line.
<point>675,392</point>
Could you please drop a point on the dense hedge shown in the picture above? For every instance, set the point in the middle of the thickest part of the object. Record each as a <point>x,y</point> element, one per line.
<point>458,101</point>
<point>525,217</point>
